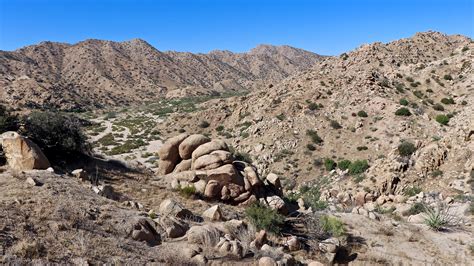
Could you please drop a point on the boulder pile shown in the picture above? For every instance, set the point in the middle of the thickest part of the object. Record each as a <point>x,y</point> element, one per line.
<point>209,167</point>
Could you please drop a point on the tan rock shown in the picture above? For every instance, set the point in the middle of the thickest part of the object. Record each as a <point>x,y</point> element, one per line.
<point>169,150</point>
<point>274,180</point>
<point>170,207</point>
<point>184,165</point>
<point>203,234</point>
<point>165,167</point>
<point>22,154</point>
<point>209,147</point>
<point>214,213</point>
<point>188,145</point>
<point>360,198</point>
<point>252,176</point>
<point>208,162</point>
<point>226,174</point>
<point>213,189</point>
<point>266,261</point>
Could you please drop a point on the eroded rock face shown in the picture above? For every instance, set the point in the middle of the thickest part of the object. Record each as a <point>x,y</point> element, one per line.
<point>22,154</point>
<point>430,158</point>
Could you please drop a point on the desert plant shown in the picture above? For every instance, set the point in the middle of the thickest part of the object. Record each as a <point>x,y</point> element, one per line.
<point>362,148</point>
<point>313,106</point>
<point>281,117</point>
<point>311,147</point>
<point>362,114</point>
<point>332,225</point>
<point>412,191</point>
<point>344,164</point>
<point>416,208</point>
<point>7,120</point>
<point>220,128</point>
<point>418,94</point>
<point>262,217</point>
<point>329,164</point>
<point>403,112</point>
<point>334,124</point>
<point>439,218</point>
<point>438,107</point>
<point>311,197</point>
<point>447,101</point>
<point>404,102</point>
<point>187,191</point>
<point>55,133</point>
<point>204,124</point>
<point>358,167</point>
<point>315,138</point>
<point>442,119</point>
<point>448,77</point>
<point>406,148</point>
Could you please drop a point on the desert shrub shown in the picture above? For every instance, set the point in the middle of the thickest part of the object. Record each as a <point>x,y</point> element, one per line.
<point>442,119</point>
<point>344,164</point>
<point>362,148</point>
<point>281,117</point>
<point>334,124</point>
<point>447,101</point>
<point>438,218</point>
<point>243,156</point>
<point>110,115</point>
<point>416,208</point>
<point>107,140</point>
<point>362,114</point>
<point>187,191</point>
<point>244,135</point>
<point>332,225</point>
<point>412,191</point>
<point>406,148</point>
<point>311,197</point>
<point>358,178</point>
<point>464,102</point>
<point>8,121</point>
<point>418,94</point>
<point>400,87</point>
<point>313,106</point>
<point>264,218</point>
<point>55,133</point>
<point>329,164</point>
<point>403,112</point>
<point>204,124</point>
<point>315,138</point>
<point>448,77</point>
<point>410,79</point>
<point>465,48</point>
<point>220,128</point>
<point>438,107</point>
<point>429,90</point>
<point>358,167</point>
<point>311,147</point>
<point>436,173</point>
<point>404,102</point>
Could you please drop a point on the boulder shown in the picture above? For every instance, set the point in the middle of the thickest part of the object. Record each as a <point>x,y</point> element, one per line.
<point>169,150</point>
<point>33,182</point>
<point>226,174</point>
<point>142,230</point>
<point>209,147</point>
<point>187,147</point>
<point>184,165</point>
<point>207,162</point>
<point>252,176</point>
<point>214,213</point>
<point>170,208</point>
<point>277,203</point>
<point>274,180</point>
<point>22,154</point>
<point>266,261</point>
<point>165,167</point>
<point>173,227</point>
<point>213,188</point>
<point>203,234</point>
<point>360,198</point>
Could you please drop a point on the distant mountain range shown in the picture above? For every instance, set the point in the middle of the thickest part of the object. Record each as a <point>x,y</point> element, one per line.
<point>97,73</point>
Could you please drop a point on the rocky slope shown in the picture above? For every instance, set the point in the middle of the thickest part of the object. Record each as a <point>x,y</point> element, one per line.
<point>96,73</point>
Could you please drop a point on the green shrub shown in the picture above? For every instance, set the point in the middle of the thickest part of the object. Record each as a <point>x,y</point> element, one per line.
<point>329,164</point>
<point>465,48</point>
<point>358,167</point>
<point>344,164</point>
<point>311,147</point>
<point>400,87</point>
<point>418,94</point>
<point>448,77</point>
<point>438,218</point>
<point>332,225</point>
<point>311,197</point>
<point>313,106</point>
<point>403,112</point>
<point>362,114</point>
<point>436,173</point>
<point>358,178</point>
<point>404,102</point>
<point>412,191</point>
<point>264,218</point>
<point>315,138</point>
<point>220,128</point>
<point>447,100</point>
<point>204,124</point>
<point>244,135</point>
<point>187,191</point>
<point>438,107</point>
<point>334,124</point>
<point>8,122</point>
<point>442,119</point>
<point>410,79</point>
<point>55,134</point>
<point>281,117</point>
<point>362,148</point>
<point>406,148</point>
<point>243,156</point>
<point>416,208</point>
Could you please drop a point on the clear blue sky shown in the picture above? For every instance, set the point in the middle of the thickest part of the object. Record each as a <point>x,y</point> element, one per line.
<point>327,27</point>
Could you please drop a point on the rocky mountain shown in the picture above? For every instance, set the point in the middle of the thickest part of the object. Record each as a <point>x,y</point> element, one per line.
<point>96,73</point>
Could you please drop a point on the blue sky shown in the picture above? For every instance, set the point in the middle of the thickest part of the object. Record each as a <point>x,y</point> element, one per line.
<point>327,27</point>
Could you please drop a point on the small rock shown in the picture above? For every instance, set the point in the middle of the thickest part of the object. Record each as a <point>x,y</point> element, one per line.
<point>293,243</point>
<point>33,181</point>
<point>214,213</point>
<point>266,261</point>
<point>79,173</point>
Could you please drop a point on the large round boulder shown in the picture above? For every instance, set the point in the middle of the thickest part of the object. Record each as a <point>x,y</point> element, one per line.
<point>225,174</point>
<point>213,160</point>
<point>170,149</point>
<point>187,147</point>
<point>184,165</point>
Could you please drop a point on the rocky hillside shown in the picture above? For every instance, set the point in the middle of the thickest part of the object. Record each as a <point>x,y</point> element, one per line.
<point>361,106</point>
<point>96,73</point>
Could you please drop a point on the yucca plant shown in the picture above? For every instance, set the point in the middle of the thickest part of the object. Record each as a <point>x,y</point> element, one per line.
<point>439,218</point>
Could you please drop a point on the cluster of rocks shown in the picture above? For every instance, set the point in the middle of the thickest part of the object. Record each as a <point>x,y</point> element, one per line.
<point>209,167</point>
